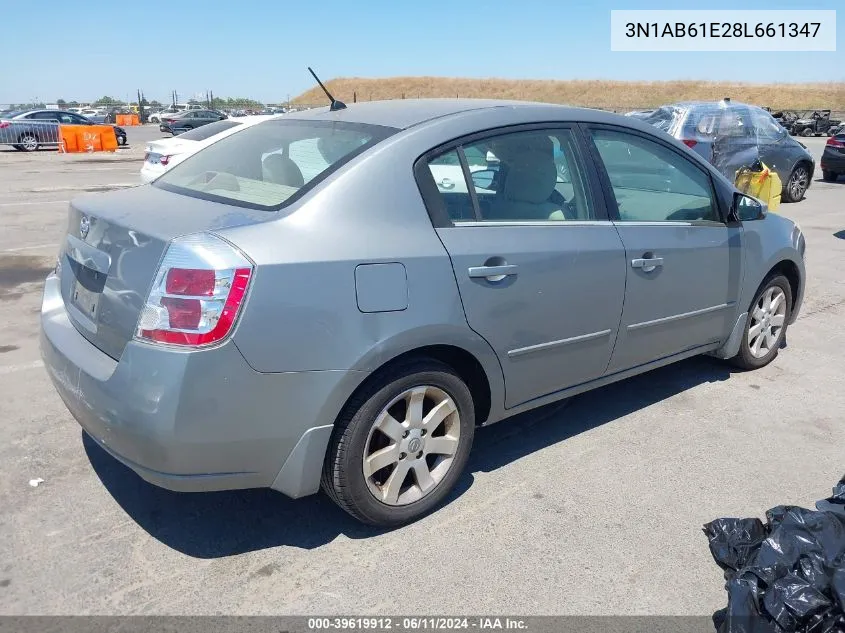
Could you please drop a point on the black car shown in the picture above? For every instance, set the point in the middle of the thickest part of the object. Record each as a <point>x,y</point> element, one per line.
<point>188,120</point>
<point>833,158</point>
<point>29,130</point>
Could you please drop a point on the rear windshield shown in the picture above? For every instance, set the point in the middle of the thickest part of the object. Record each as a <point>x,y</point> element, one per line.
<point>206,131</point>
<point>270,164</point>
<point>664,118</point>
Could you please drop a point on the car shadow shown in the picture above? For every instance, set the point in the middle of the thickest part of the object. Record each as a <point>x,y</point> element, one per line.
<point>217,524</point>
<point>838,181</point>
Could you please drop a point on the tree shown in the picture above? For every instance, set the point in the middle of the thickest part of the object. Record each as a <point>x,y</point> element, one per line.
<point>61,103</point>
<point>107,101</point>
<point>155,104</point>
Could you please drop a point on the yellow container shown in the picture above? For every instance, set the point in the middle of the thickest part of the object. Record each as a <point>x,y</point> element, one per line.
<point>764,184</point>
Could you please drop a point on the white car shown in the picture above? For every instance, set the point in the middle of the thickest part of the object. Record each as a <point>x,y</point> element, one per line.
<point>156,117</point>
<point>163,154</point>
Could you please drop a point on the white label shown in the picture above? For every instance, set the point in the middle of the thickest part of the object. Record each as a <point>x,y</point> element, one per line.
<point>723,30</point>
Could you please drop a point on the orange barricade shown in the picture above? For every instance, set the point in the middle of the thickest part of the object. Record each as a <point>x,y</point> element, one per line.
<point>67,138</point>
<point>125,120</point>
<point>87,138</point>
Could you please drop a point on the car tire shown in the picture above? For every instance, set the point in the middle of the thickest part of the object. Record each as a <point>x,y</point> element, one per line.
<point>829,176</point>
<point>807,131</point>
<point>380,497</point>
<point>796,185</point>
<point>121,141</point>
<point>18,147</point>
<point>29,142</point>
<point>765,326</point>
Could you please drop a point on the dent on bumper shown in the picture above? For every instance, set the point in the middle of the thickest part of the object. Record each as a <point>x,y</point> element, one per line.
<point>194,421</point>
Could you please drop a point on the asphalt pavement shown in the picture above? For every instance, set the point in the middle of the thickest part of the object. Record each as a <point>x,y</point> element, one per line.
<point>591,508</point>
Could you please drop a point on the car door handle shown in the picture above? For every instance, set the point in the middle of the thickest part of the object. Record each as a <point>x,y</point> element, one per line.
<point>493,273</point>
<point>646,263</point>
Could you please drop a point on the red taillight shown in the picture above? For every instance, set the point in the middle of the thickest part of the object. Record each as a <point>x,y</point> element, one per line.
<point>184,314</point>
<point>194,282</point>
<point>164,160</point>
<point>4,124</point>
<point>834,142</point>
<point>690,142</point>
<point>195,304</point>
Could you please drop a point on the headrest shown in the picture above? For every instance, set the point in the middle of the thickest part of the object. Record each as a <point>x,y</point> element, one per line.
<point>530,177</point>
<point>282,170</point>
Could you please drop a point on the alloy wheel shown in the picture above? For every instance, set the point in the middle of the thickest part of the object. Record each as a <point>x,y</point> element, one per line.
<point>29,142</point>
<point>411,445</point>
<point>798,183</point>
<point>767,321</point>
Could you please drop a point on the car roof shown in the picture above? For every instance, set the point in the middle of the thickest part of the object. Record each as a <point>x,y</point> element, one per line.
<point>405,113</point>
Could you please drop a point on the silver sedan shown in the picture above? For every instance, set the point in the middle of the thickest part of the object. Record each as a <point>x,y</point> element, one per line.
<point>338,299</point>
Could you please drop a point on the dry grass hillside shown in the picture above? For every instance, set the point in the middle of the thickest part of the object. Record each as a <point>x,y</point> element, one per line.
<point>619,95</point>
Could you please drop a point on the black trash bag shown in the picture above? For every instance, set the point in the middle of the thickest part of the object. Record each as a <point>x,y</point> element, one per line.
<point>786,575</point>
<point>734,541</point>
<point>835,503</point>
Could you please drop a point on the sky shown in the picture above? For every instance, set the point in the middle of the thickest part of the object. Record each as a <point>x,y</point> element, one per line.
<point>260,49</point>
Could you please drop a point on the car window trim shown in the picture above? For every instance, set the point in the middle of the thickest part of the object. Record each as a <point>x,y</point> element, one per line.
<point>433,199</point>
<point>473,194</point>
<point>607,188</point>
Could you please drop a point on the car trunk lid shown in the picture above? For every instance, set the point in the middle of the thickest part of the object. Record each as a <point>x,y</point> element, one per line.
<point>112,250</point>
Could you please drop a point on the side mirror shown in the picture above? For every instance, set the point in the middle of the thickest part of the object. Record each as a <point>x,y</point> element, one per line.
<point>747,208</point>
<point>483,178</point>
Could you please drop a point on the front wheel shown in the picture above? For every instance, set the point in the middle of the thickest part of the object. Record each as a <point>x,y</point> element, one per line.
<point>765,325</point>
<point>807,131</point>
<point>796,186</point>
<point>400,446</point>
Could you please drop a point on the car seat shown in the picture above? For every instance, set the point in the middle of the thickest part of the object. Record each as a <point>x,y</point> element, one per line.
<point>281,170</point>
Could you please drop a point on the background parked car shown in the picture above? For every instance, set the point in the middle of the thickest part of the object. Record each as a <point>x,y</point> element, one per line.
<point>28,131</point>
<point>189,120</point>
<point>163,154</point>
<point>833,158</point>
<point>732,135</point>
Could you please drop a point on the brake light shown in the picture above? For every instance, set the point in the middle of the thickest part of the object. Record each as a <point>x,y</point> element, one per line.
<point>4,124</point>
<point>164,160</point>
<point>690,142</point>
<point>834,142</point>
<point>197,294</point>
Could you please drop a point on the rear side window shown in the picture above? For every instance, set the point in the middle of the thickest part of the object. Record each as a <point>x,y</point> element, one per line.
<point>270,164</point>
<point>206,131</point>
<point>532,176</point>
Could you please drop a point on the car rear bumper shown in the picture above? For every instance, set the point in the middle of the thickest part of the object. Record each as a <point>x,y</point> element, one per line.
<point>194,421</point>
<point>151,172</point>
<point>833,162</point>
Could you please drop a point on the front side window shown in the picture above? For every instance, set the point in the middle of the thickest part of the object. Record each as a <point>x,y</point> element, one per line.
<point>532,176</point>
<point>768,130</point>
<point>266,166</point>
<point>652,183</point>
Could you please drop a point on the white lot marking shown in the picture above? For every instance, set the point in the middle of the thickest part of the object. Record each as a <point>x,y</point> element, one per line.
<point>20,204</point>
<point>11,369</point>
<point>34,247</point>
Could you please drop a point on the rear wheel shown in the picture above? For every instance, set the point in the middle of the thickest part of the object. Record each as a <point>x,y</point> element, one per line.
<point>29,142</point>
<point>796,185</point>
<point>765,325</point>
<point>829,176</point>
<point>400,446</point>
<point>807,131</point>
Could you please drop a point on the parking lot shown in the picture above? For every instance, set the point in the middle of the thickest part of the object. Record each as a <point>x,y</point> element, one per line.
<point>591,507</point>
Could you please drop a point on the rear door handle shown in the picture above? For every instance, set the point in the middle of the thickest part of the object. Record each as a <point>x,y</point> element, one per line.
<point>493,273</point>
<point>647,264</point>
